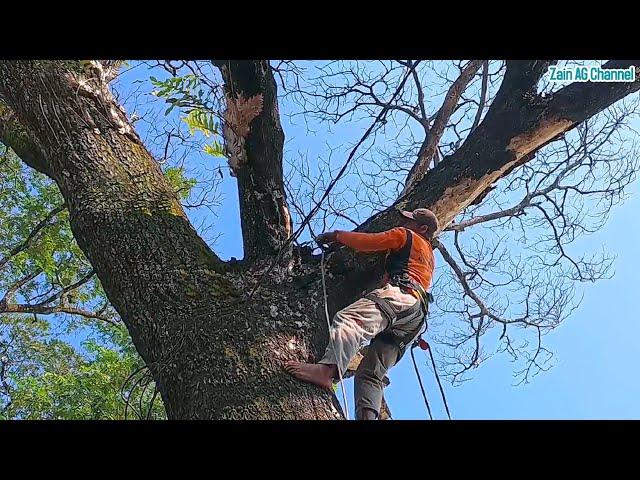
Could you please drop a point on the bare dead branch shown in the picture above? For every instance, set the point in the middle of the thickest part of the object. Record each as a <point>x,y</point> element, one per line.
<point>429,146</point>
<point>483,94</point>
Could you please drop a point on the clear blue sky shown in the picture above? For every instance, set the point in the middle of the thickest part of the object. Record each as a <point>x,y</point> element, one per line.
<point>596,349</point>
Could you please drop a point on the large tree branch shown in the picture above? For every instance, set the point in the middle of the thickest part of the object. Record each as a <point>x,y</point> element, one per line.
<point>518,123</point>
<point>14,136</point>
<point>430,144</point>
<point>257,159</point>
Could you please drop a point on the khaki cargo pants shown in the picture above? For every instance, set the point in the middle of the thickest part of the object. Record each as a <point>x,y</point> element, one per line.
<point>356,325</point>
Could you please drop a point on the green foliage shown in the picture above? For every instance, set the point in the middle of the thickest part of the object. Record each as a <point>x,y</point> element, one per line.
<point>196,103</point>
<point>50,378</point>
<point>26,198</point>
<point>202,121</point>
<point>215,149</point>
<point>60,366</point>
<point>181,184</point>
<point>178,91</point>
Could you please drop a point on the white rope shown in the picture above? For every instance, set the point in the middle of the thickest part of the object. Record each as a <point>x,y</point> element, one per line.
<point>326,313</point>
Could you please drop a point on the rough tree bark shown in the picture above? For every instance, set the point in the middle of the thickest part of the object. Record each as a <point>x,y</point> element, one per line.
<point>212,353</point>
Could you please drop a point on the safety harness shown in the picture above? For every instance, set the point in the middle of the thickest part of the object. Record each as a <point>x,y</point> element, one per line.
<point>414,317</point>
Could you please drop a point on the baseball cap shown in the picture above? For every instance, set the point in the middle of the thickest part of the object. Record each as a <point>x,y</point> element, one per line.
<point>423,216</point>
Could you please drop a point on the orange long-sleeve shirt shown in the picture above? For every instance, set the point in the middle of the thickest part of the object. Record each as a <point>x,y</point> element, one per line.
<point>418,261</point>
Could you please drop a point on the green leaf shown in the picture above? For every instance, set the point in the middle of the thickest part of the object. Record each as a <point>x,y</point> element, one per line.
<point>215,149</point>
<point>181,184</point>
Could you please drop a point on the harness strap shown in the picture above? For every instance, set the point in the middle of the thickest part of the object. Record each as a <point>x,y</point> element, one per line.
<point>401,339</point>
<point>385,307</point>
<point>405,282</point>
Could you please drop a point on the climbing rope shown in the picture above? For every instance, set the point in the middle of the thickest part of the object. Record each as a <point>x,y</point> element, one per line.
<point>326,313</point>
<point>425,346</point>
<point>444,399</point>
<point>424,395</point>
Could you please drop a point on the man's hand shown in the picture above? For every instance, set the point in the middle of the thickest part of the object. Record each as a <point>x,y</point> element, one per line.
<point>327,238</point>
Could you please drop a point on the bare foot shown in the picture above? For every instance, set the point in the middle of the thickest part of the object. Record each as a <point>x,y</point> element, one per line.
<point>318,374</point>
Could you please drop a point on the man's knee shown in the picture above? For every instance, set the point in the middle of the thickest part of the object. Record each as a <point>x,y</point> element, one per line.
<point>380,357</point>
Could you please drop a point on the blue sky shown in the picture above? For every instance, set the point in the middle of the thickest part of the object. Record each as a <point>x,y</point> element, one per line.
<point>596,348</point>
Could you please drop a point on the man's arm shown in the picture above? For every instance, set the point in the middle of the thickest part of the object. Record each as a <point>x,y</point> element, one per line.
<point>373,242</point>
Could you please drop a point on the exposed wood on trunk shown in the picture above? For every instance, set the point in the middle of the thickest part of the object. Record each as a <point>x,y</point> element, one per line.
<point>517,124</point>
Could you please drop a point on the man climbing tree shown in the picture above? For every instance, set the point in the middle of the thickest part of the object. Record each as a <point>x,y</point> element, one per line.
<point>214,334</point>
<point>392,315</point>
